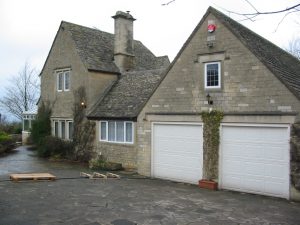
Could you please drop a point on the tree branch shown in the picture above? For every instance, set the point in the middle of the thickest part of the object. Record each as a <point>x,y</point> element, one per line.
<point>169,2</point>
<point>265,13</point>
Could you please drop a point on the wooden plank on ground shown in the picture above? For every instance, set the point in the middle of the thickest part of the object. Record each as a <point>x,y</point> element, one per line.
<point>31,176</point>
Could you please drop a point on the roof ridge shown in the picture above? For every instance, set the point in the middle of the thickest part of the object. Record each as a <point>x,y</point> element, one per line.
<point>95,48</point>
<point>86,27</point>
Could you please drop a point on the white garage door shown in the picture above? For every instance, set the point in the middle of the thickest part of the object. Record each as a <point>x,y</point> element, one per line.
<point>255,159</point>
<point>177,152</point>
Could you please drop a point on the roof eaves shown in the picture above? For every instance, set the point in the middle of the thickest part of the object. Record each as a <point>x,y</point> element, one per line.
<point>129,118</point>
<point>222,16</point>
<point>104,71</point>
<point>51,47</point>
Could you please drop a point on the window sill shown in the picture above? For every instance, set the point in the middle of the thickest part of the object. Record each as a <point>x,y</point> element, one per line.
<point>212,89</point>
<point>117,143</point>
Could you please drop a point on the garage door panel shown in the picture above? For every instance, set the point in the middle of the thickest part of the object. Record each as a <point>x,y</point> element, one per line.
<point>167,172</point>
<point>188,162</point>
<point>276,153</point>
<point>181,148</point>
<point>264,134</point>
<point>276,171</point>
<point>177,152</point>
<point>255,159</point>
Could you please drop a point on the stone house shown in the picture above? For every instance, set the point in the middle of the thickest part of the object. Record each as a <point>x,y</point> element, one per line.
<point>149,117</point>
<point>81,57</point>
<point>226,67</point>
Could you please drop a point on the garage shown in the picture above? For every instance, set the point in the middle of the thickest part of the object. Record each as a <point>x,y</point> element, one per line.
<point>255,159</point>
<point>177,151</point>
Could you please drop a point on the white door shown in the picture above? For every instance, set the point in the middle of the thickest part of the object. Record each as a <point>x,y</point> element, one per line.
<point>177,152</point>
<point>255,159</point>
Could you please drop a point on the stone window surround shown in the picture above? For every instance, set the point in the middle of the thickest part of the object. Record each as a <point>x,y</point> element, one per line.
<point>115,135</point>
<point>65,79</point>
<point>212,57</point>
<point>58,122</point>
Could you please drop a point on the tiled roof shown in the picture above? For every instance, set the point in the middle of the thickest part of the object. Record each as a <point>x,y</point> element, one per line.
<point>282,64</point>
<point>128,95</point>
<point>96,50</point>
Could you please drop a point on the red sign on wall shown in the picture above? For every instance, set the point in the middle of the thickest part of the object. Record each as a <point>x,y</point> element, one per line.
<point>211,28</point>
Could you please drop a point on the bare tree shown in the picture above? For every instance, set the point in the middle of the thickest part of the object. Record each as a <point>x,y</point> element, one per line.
<point>294,47</point>
<point>22,93</point>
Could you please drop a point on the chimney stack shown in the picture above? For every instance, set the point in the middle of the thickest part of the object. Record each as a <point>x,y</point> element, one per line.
<point>123,44</point>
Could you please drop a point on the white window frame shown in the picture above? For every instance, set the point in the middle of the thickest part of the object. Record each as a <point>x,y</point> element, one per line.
<point>115,139</point>
<point>59,123</point>
<point>58,81</point>
<point>64,77</point>
<point>205,75</point>
<point>28,118</point>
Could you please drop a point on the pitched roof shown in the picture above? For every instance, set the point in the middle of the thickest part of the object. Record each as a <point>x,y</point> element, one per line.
<point>96,50</point>
<point>127,96</point>
<point>282,64</point>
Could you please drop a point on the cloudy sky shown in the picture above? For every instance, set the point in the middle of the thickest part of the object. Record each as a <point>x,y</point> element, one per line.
<point>28,27</point>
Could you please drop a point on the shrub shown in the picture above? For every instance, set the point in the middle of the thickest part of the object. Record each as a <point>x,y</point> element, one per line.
<point>4,137</point>
<point>41,127</point>
<point>102,164</point>
<point>11,127</point>
<point>55,147</point>
<point>6,142</point>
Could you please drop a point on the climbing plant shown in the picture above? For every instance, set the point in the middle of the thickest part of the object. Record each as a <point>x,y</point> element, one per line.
<point>211,140</point>
<point>84,130</point>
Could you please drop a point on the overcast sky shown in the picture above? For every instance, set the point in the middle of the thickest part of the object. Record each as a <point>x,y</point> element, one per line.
<point>28,27</point>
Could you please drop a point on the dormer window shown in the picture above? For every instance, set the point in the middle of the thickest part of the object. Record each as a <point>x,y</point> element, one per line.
<point>63,80</point>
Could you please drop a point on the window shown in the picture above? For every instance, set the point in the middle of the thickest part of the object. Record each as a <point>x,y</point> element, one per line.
<point>111,131</point>
<point>63,80</point>
<point>26,125</point>
<point>63,129</point>
<point>27,122</point>
<point>56,128</point>
<point>71,130</point>
<point>212,75</point>
<point>116,131</point>
<point>60,81</point>
<point>67,80</point>
<point>103,136</point>
<point>129,130</point>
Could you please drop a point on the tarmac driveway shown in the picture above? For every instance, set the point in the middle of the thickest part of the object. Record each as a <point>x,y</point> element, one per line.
<point>129,200</point>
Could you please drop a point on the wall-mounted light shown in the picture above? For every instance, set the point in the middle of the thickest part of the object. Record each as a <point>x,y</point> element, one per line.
<point>83,105</point>
<point>210,44</point>
<point>209,101</point>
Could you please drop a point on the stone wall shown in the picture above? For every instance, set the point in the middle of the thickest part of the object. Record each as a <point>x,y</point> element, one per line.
<point>126,154</point>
